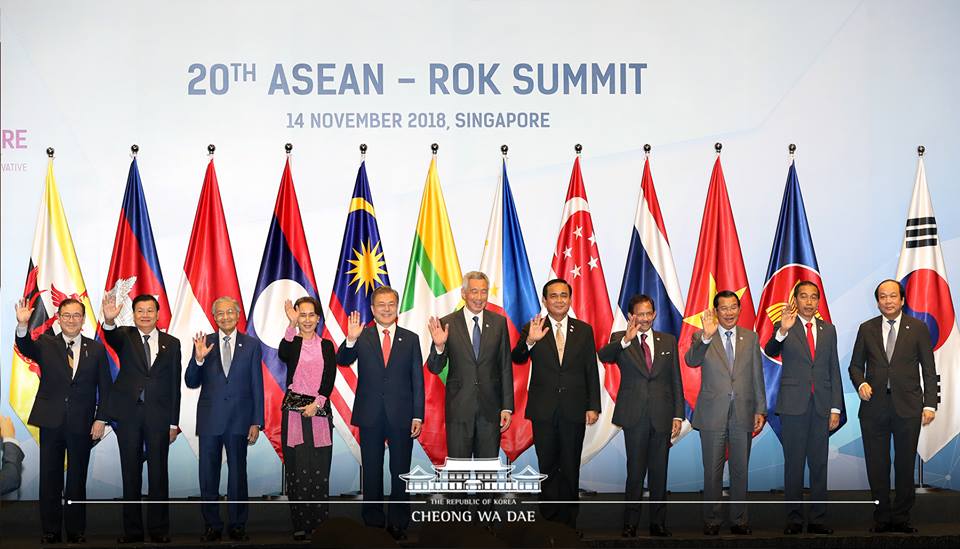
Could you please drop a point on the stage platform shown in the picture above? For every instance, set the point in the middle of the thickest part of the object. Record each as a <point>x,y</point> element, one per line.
<point>936,514</point>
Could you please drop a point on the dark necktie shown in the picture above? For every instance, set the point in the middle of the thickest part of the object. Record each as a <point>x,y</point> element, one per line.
<point>891,343</point>
<point>146,350</point>
<point>70,356</point>
<point>476,337</point>
<point>646,352</point>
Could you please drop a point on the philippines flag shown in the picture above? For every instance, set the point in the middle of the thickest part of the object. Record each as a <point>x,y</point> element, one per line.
<point>924,276</point>
<point>361,268</point>
<point>577,260</point>
<point>792,259</point>
<point>286,272</point>
<point>650,268</point>
<point>208,273</point>
<point>134,265</point>
<point>513,295</point>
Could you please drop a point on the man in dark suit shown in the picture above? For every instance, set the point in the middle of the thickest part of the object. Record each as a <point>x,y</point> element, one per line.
<point>564,396</point>
<point>12,462</point>
<point>74,373</point>
<point>389,404</point>
<point>890,355</point>
<point>475,346</point>
<point>731,406</point>
<point>649,408</point>
<point>228,369</point>
<point>145,402</point>
<point>809,401</point>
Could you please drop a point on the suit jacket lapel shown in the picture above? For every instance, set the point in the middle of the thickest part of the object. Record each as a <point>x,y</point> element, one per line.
<point>801,331</point>
<point>137,342</point>
<point>460,327</point>
<point>636,354</point>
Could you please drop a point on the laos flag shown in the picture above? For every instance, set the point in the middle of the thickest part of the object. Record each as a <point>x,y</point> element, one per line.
<point>286,272</point>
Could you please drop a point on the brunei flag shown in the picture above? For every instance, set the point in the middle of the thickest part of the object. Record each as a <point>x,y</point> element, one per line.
<point>361,268</point>
<point>432,288</point>
<point>53,274</point>
<point>513,295</point>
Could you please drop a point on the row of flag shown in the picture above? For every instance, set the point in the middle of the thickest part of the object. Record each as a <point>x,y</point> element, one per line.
<point>434,278</point>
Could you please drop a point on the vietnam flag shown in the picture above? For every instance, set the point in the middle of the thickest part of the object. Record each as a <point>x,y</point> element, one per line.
<point>718,266</point>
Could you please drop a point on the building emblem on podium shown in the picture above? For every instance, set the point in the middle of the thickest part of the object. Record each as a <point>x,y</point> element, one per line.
<point>473,475</point>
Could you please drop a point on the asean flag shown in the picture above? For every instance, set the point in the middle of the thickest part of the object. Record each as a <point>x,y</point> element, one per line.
<point>286,272</point>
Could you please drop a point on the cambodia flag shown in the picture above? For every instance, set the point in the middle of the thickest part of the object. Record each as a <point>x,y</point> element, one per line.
<point>792,259</point>
<point>650,268</point>
<point>134,265</point>
<point>513,295</point>
<point>718,266</point>
<point>208,273</point>
<point>361,268</point>
<point>286,272</point>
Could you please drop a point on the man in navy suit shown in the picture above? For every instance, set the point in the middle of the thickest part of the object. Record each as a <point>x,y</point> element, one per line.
<point>227,368</point>
<point>74,374</point>
<point>145,402</point>
<point>808,404</point>
<point>388,404</point>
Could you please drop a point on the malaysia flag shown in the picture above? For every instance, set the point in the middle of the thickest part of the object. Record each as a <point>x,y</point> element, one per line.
<point>513,295</point>
<point>286,272</point>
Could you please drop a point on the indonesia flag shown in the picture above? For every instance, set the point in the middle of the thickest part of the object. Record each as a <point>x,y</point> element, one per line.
<point>134,265</point>
<point>208,273</point>
<point>576,259</point>
<point>286,272</point>
<point>649,268</point>
<point>513,295</point>
<point>924,276</point>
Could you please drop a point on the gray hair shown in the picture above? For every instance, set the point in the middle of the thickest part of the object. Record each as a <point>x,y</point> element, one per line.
<point>221,299</point>
<point>474,275</point>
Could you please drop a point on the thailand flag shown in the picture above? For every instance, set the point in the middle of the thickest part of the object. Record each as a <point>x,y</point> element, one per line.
<point>134,265</point>
<point>286,272</point>
<point>650,268</point>
<point>513,295</point>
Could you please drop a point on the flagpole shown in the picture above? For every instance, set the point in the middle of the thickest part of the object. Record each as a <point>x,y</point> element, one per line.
<point>646,150</point>
<point>49,152</point>
<point>134,149</point>
<point>717,146</point>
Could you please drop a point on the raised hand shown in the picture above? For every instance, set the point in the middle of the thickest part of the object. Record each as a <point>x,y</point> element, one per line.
<point>633,326</point>
<point>292,315</point>
<point>789,317</point>
<point>538,329</point>
<point>354,327</point>
<point>110,308</point>
<point>710,323</point>
<point>23,312</point>
<point>438,332</point>
<point>200,348</point>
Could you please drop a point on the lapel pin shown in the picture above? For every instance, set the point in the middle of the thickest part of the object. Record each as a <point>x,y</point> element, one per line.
<point>399,339</point>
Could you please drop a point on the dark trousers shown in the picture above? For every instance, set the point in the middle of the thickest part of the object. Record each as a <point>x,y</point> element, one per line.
<point>559,444</point>
<point>211,452</point>
<point>478,438</point>
<point>732,446</point>
<point>876,432</point>
<point>371,457</point>
<point>132,436</point>
<point>806,440</point>
<point>647,452</point>
<point>307,473</point>
<point>54,442</point>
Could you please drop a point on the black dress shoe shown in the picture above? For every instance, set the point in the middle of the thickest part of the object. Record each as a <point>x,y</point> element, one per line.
<point>300,536</point>
<point>711,529</point>
<point>903,528</point>
<point>629,531</point>
<point>76,538</point>
<point>161,538</point>
<point>129,539</point>
<point>793,529</point>
<point>660,531</point>
<point>398,534</point>
<point>210,535</point>
<point>820,529</point>
<point>50,538</point>
<point>881,527</point>
<point>239,534</point>
<point>741,529</point>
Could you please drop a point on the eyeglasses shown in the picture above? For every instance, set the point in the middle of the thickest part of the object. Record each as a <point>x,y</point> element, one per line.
<point>228,312</point>
<point>70,316</point>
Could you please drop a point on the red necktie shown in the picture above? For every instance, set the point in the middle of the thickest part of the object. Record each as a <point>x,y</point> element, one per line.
<point>386,347</point>
<point>812,345</point>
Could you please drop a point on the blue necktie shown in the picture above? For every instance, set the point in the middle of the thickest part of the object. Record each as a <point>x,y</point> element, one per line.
<point>728,347</point>
<point>476,337</point>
